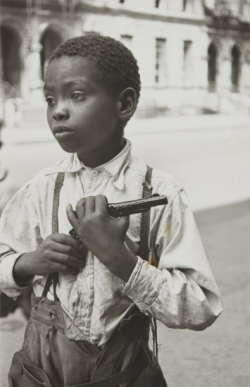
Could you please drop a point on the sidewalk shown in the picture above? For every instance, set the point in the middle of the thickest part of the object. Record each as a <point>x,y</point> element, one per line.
<point>41,132</point>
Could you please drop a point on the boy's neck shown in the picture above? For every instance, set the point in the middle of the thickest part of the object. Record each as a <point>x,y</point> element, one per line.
<point>101,156</point>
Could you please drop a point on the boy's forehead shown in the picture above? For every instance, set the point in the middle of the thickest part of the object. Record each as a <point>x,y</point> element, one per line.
<point>69,69</point>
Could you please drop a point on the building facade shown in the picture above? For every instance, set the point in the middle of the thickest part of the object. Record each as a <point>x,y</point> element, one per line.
<point>194,55</point>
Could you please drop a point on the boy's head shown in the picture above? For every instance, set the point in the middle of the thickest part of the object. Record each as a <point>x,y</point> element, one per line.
<point>113,64</point>
<point>92,86</point>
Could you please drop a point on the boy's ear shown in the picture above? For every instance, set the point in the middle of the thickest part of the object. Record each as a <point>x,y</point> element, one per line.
<point>126,104</point>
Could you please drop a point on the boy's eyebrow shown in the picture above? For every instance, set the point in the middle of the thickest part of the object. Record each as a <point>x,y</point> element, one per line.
<point>45,87</point>
<point>71,82</point>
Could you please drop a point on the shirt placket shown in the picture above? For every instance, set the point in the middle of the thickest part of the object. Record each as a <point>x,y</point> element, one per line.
<point>87,304</point>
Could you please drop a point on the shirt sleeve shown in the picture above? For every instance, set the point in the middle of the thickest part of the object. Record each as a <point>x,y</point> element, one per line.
<point>181,292</point>
<point>19,234</point>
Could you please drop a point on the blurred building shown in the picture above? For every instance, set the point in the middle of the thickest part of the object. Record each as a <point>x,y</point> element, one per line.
<point>194,55</point>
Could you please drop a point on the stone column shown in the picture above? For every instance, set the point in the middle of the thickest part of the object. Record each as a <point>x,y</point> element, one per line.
<point>224,77</point>
<point>244,84</point>
<point>33,65</point>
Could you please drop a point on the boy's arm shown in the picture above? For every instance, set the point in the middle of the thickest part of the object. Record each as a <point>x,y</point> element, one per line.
<point>181,292</point>
<point>24,253</point>
<point>19,233</point>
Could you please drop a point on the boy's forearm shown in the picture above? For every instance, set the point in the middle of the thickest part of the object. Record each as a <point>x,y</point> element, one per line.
<point>21,269</point>
<point>120,261</point>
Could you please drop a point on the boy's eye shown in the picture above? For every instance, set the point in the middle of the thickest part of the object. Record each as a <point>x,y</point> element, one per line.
<point>77,96</point>
<point>50,101</point>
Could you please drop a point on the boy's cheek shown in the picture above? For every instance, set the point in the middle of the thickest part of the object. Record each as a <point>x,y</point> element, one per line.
<point>49,119</point>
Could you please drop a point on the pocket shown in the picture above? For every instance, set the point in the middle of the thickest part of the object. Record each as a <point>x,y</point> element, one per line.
<point>151,358</point>
<point>152,375</point>
<point>30,379</point>
<point>24,373</point>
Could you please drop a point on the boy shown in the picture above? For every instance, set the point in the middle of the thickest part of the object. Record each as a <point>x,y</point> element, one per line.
<point>94,320</point>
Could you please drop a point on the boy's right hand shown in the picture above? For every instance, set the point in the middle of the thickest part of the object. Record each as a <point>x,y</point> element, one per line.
<point>57,253</point>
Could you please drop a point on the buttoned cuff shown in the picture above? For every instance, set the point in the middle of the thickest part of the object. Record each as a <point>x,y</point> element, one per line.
<point>144,284</point>
<point>10,287</point>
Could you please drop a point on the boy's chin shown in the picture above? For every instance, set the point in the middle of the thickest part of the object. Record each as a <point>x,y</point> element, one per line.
<point>69,148</point>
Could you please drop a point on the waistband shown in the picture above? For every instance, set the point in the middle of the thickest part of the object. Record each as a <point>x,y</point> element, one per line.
<point>135,325</point>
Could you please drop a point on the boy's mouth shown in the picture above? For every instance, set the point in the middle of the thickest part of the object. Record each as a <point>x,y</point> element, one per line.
<point>62,131</point>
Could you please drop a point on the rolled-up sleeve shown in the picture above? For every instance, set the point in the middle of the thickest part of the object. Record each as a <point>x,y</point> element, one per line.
<point>181,291</point>
<point>19,234</point>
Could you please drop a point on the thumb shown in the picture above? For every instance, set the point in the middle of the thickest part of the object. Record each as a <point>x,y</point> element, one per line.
<point>124,223</point>
<point>71,216</point>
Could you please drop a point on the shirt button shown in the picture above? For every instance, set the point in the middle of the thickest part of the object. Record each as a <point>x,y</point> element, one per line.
<point>94,172</point>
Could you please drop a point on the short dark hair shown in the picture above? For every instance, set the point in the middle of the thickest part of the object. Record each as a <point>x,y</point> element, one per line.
<point>115,64</point>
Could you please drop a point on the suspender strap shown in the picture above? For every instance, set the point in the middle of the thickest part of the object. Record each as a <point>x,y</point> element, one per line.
<point>144,245</point>
<point>53,278</point>
<point>145,217</point>
<point>56,200</point>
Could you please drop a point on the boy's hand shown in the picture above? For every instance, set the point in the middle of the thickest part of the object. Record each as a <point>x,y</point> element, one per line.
<point>103,235</point>
<point>57,253</point>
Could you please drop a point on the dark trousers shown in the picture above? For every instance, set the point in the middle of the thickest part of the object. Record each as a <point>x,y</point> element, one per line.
<point>125,360</point>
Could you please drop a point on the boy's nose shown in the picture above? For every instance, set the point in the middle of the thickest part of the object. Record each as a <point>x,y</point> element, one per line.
<point>61,114</point>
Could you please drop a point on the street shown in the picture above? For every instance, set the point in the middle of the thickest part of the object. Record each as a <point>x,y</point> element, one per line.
<point>213,166</point>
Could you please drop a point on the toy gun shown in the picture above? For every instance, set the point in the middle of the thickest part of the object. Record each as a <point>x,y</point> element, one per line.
<point>116,210</point>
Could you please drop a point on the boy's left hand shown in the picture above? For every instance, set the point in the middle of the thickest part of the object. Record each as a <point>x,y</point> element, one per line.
<point>103,235</point>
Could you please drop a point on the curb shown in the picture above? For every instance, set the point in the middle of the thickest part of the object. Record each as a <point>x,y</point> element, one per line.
<point>19,136</point>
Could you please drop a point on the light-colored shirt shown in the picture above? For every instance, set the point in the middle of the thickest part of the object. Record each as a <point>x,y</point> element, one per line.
<point>177,287</point>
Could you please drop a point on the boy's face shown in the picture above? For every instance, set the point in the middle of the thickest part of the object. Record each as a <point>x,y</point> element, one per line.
<point>81,113</point>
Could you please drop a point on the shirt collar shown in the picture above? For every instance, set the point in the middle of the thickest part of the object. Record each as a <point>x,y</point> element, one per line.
<point>115,167</point>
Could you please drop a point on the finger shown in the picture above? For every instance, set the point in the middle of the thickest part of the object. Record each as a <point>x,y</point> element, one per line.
<point>65,269</point>
<point>78,253</point>
<point>89,205</point>
<point>101,204</point>
<point>80,209</point>
<point>68,260</point>
<point>124,222</point>
<point>67,240</point>
<point>72,216</point>
<point>71,270</point>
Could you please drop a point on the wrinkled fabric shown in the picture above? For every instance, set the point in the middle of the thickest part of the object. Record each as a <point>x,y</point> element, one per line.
<point>176,287</point>
<point>66,362</point>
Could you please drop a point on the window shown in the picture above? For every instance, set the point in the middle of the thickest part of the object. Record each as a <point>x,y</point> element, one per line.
<point>212,67</point>
<point>160,62</point>
<point>49,41</point>
<point>235,68</point>
<point>157,3</point>
<point>11,60</point>
<point>187,61</point>
<point>184,5</point>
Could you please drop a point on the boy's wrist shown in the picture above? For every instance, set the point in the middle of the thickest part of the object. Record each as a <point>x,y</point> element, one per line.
<point>21,273</point>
